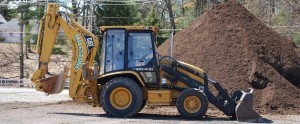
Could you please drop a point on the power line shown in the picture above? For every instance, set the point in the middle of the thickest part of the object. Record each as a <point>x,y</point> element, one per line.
<point>111,3</point>
<point>128,0</point>
<point>124,4</point>
<point>14,3</point>
<point>163,29</point>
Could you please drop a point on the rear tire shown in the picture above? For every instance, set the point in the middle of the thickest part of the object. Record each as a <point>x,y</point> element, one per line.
<point>192,104</point>
<point>121,97</point>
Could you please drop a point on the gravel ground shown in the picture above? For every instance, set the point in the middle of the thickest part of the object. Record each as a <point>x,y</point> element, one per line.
<point>8,95</point>
<point>21,105</point>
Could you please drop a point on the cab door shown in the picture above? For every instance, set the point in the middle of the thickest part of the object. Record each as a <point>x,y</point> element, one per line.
<point>141,56</point>
<point>115,50</point>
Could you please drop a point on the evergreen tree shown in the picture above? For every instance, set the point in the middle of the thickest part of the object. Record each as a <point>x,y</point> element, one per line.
<point>7,13</point>
<point>119,14</point>
<point>150,19</point>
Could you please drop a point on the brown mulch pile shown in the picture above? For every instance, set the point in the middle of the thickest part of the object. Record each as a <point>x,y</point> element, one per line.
<point>240,51</point>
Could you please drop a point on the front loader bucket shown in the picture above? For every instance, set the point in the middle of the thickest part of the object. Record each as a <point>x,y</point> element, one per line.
<point>244,111</point>
<point>55,84</point>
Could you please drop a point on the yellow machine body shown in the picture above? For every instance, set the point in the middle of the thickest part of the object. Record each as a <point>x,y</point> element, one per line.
<point>159,97</point>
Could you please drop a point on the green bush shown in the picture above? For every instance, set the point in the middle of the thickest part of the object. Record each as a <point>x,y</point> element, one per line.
<point>61,40</point>
<point>280,18</point>
<point>58,51</point>
<point>34,37</point>
<point>296,39</point>
<point>2,39</point>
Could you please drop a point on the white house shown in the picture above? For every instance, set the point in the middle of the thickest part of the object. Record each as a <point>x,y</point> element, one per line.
<point>2,20</point>
<point>10,31</point>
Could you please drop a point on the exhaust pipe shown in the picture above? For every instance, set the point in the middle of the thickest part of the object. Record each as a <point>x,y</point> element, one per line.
<point>244,111</point>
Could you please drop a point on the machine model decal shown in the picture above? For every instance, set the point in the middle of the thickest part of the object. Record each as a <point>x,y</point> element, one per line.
<point>89,42</point>
<point>80,52</point>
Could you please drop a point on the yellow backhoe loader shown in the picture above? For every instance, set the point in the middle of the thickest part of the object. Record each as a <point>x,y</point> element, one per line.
<point>131,74</point>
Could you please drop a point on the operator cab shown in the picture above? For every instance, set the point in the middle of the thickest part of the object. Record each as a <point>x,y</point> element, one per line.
<point>130,48</point>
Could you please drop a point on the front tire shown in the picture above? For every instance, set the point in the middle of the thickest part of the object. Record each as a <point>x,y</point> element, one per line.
<point>143,105</point>
<point>192,104</point>
<point>121,97</point>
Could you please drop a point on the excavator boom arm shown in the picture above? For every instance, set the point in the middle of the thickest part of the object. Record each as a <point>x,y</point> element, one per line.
<point>84,47</point>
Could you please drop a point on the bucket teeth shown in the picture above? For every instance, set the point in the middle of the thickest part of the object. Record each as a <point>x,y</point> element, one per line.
<point>244,111</point>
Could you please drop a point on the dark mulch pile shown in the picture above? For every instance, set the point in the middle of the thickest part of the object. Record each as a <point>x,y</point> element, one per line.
<point>240,51</point>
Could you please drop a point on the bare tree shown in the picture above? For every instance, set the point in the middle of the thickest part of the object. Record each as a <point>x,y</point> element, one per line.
<point>75,8</point>
<point>162,16</point>
<point>199,7</point>
<point>182,8</point>
<point>271,11</point>
<point>214,1</point>
<point>83,14</point>
<point>171,16</point>
<point>21,46</point>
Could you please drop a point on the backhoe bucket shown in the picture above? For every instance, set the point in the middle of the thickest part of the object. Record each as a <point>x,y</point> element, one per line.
<point>244,111</point>
<point>55,84</point>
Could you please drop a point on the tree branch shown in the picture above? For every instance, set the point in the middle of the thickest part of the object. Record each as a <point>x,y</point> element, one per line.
<point>294,5</point>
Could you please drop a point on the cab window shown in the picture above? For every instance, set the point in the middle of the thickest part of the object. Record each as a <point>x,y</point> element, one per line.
<point>140,51</point>
<point>115,44</point>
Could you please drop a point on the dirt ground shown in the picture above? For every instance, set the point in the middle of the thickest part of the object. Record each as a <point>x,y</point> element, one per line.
<point>19,105</point>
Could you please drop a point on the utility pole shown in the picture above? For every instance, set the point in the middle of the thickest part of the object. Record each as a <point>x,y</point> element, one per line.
<point>83,14</point>
<point>87,16</point>
<point>91,16</point>
<point>171,44</point>
<point>21,55</point>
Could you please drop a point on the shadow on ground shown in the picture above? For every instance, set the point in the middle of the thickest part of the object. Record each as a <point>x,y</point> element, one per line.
<point>158,117</point>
